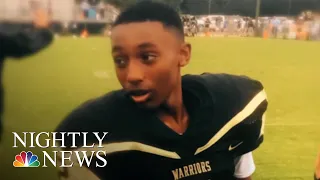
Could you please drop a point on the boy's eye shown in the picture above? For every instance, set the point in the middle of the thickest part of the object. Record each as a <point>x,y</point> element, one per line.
<point>120,62</point>
<point>148,58</point>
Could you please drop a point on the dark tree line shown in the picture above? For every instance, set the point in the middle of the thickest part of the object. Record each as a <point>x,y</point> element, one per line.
<point>238,7</point>
<point>125,3</point>
<point>247,7</point>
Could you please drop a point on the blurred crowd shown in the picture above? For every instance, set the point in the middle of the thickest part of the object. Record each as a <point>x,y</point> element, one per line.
<point>305,26</point>
<point>96,10</point>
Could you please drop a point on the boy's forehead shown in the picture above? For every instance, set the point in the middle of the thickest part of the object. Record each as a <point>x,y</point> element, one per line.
<point>140,31</point>
<point>138,27</point>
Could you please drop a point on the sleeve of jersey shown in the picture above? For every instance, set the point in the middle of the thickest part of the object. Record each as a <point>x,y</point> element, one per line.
<point>81,165</point>
<point>17,41</point>
<point>78,163</point>
<point>251,116</point>
<point>245,102</point>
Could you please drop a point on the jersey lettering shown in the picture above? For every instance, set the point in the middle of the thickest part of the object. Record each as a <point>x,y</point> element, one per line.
<point>191,170</point>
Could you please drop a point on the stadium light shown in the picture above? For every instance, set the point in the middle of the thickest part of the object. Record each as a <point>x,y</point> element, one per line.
<point>258,4</point>
<point>209,7</point>
<point>289,8</point>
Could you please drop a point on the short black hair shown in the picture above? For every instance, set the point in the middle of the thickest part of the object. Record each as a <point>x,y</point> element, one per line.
<point>151,11</point>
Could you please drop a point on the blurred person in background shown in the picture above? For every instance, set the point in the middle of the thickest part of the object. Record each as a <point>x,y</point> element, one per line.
<point>317,173</point>
<point>101,10</point>
<point>315,31</point>
<point>74,29</point>
<point>207,24</point>
<point>275,26</point>
<point>286,28</point>
<point>250,27</point>
<point>85,6</point>
<point>18,42</point>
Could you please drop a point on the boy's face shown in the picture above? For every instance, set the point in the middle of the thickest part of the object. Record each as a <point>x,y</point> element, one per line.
<point>147,58</point>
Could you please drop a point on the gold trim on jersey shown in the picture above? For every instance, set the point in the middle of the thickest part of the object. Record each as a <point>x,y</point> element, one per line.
<point>242,115</point>
<point>263,124</point>
<point>76,172</point>
<point>133,146</point>
<point>136,146</point>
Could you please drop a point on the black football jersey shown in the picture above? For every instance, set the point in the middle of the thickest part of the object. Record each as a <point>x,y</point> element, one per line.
<point>226,121</point>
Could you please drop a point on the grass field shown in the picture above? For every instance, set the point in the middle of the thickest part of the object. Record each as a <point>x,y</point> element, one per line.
<point>42,89</point>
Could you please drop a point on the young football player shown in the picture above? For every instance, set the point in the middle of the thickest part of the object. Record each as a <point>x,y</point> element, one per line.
<point>162,125</point>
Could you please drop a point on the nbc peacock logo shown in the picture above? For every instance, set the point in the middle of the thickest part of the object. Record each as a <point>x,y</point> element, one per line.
<point>26,160</point>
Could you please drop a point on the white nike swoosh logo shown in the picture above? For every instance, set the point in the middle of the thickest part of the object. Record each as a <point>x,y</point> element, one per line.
<point>233,147</point>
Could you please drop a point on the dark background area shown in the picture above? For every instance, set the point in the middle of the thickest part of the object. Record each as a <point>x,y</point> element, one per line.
<point>247,7</point>
<point>234,7</point>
